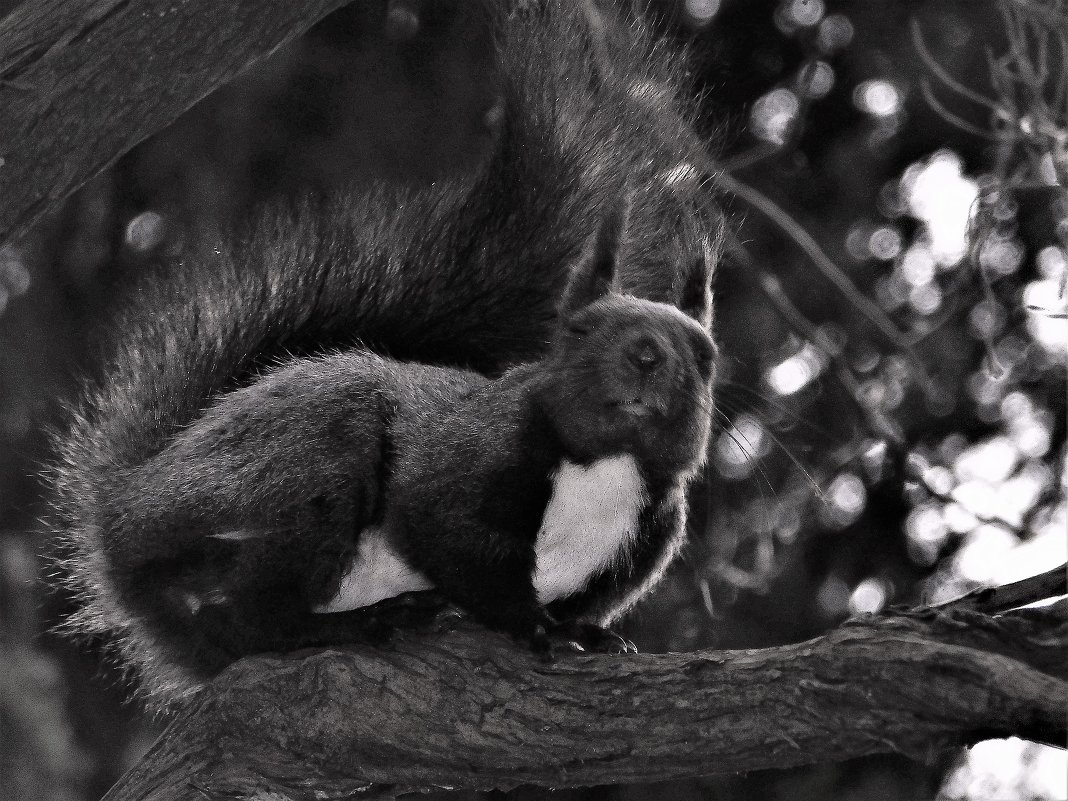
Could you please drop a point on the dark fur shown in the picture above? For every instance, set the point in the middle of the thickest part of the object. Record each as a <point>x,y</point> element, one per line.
<point>455,467</point>
<point>461,273</point>
<point>471,478</point>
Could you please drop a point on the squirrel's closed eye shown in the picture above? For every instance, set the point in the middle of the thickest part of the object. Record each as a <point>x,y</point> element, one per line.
<point>578,330</point>
<point>706,353</point>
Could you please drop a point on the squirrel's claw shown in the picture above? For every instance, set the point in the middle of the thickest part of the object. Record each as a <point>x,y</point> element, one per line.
<point>581,637</point>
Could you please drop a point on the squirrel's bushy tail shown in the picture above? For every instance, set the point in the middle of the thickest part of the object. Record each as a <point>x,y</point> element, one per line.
<point>463,272</point>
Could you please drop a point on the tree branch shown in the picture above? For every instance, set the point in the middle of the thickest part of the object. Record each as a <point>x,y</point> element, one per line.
<point>466,708</point>
<point>1051,584</point>
<point>83,81</point>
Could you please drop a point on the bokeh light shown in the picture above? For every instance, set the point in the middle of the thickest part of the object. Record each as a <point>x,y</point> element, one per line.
<point>1052,262</point>
<point>815,79</point>
<point>835,32</point>
<point>877,97</point>
<point>989,461</point>
<point>987,319</point>
<point>796,372</point>
<point>739,447</point>
<point>701,12</point>
<point>1008,769</point>
<point>844,501</point>
<point>773,114</point>
<point>918,264</point>
<point>927,530</point>
<point>926,298</point>
<point>868,597</point>
<point>942,198</point>
<point>806,13</point>
<point>1001,256</point>
<point>885,243</point>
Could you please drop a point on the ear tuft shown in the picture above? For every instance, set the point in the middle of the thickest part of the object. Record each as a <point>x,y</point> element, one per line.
<point>595,274</point>
<point>696,298</point>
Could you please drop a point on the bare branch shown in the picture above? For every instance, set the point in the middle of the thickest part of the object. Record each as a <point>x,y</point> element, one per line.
<point>878,423</point>
<point>992,600</point>
<point>932,64</point>
<point>1055,18</point>
<point>803,239</point>
<point>950,117</point>
<point>750,157</point>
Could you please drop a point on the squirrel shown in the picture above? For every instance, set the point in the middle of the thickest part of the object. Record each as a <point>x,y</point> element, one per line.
<point>555,491</point>
<point>205,498</point>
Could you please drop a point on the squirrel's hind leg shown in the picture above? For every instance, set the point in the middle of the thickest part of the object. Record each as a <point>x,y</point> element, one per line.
<point>274,622</point>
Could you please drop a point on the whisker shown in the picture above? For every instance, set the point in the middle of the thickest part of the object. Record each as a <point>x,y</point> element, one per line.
<point>747,451</point>
<point>763,476</point>
<point>788,452</point>
<point>784,409</point>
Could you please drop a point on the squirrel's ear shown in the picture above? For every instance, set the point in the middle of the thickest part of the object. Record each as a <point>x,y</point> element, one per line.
<point>595,274</point>
<point>696,298</point>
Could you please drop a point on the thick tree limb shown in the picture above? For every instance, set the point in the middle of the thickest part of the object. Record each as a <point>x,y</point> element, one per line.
<point>83,81</point>
<point>467,708</point>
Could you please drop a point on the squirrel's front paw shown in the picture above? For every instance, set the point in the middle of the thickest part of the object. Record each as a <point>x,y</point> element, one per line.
<point>579,637</point>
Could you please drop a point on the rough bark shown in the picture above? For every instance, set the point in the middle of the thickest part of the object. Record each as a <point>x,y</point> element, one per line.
<point>83,81</point>
<point>465,708</point>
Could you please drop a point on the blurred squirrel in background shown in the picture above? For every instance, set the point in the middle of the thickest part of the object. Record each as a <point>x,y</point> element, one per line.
<point>281,440</point>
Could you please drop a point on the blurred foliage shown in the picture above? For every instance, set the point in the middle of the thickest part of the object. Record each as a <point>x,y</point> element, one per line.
<point>902,439</point>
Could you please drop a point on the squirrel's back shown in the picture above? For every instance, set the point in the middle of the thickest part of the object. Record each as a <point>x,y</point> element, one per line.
<point>461,272</point>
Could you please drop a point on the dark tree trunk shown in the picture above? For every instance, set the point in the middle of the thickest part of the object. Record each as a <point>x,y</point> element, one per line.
<point>84,81</point>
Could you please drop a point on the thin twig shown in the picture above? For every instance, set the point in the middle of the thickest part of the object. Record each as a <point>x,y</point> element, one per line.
<point>878,423</point>
<point>748,158</point>
<point>831,271</point>
<point>950,117</point>
<point>1055,19</point>
<point>940,72</point>
<point>992,600</point>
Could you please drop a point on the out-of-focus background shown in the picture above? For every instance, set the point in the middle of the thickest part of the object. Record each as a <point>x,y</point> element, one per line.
<point>856,466</point>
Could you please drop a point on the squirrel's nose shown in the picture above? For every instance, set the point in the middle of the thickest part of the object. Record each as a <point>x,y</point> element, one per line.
<point>645,354</point>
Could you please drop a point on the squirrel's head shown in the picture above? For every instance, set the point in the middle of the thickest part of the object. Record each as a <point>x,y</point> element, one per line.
<point>627,374</point>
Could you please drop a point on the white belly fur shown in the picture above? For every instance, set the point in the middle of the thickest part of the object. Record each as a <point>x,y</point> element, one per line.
<point>591,518</point>
<point>377,572</point>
